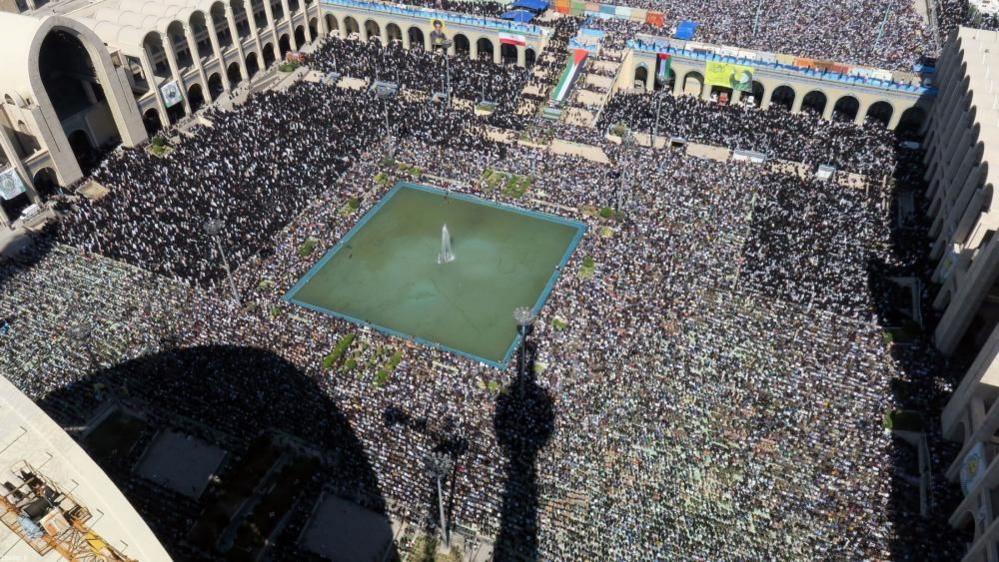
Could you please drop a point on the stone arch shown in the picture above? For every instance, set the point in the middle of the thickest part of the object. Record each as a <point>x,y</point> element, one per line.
<point>880,112</point>
<point>845,109</point>
<point>814,101</point>
<point>393,32</point>
<point>693,83</point>
<point>530,57</point>
<point>252,65</point>
<point>508,54</point>
<point>755,96</point>
<point>300,36</point>
<point>234,74</point>
<point>195,97</point>
<point>152,44</point>
<point>350,25</point>
<point>462,47</point>
<point>292,6</point>
<point>314,27</point>
<point>485,49</point>
<point>57,51</point>
<point>332,24</point>
<point>241,19</point>
<point>221,25</point>
<point>416,38</point>
<point>911,120</point>
<point>178,39</point>
<point>45,182</point>
<point>284,45</point>
<point>215,85</point>
<point>151,121</point>
<point>269,57</point>
<point>199,29</point>
<point>277,10</point>
<point>371,29</point>
<point>8,100</point>
<point>783,96</point>
<point>641,76</point>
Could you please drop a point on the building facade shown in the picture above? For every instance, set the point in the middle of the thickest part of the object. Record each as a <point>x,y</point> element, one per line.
<point>962,139</point>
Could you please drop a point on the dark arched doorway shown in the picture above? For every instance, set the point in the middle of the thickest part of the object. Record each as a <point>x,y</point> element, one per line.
<point>461,46</point>
<point>814,101</point>
<point>371,30</point>
<point>754,97</point>
<point>300,36</point>
<point>911,121</point>
<point>693,84</point>
<point>268,55</point>
<point>783,97</point>
<point>331,24</point>
<point>485,48</point>
<point>215,86</point>
<point>313,27</point>
<point>45,183</point>
<point>284,45</point>
<point>880,112</point>
<point>508,54</point>
<point>195,97</point>
<point>151,121</point>
<point>641,77</point>
<point>233,73</point>
<point>68,76</point>
<point>416,38</point>
<point>350,26</point>
<point>529,57</point>
<point>846,109</point>
<point>252,66</point>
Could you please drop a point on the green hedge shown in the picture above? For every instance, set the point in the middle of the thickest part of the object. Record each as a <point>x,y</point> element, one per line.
<point>334,356</point>
<point>307,247</point>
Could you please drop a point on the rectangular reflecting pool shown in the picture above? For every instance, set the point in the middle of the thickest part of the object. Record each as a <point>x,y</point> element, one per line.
<point>384,273</point>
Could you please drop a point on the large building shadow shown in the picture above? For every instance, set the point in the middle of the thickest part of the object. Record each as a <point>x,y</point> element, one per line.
<point>524,422</point>
<point>923,374</point>
<point>234,397</point>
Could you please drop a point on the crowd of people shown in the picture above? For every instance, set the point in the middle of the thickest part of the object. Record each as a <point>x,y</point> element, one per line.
<point>426,71</point>
<point>803,137</point>
<point>713,351</point>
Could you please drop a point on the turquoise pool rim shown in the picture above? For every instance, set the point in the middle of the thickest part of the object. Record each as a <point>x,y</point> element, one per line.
<point>580,227</point>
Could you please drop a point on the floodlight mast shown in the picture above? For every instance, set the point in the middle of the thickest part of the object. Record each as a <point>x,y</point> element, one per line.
<point>213,227</point>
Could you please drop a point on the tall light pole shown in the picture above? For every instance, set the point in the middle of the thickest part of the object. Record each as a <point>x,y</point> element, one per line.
<point>212,228</point>
<point>438,466</point>
<point>444,46</point>
<point>659,107</point>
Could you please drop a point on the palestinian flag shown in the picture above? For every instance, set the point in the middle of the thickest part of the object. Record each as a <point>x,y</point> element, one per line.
<point>569,75</point>
<point>664,63</point>
<point>511,39</point>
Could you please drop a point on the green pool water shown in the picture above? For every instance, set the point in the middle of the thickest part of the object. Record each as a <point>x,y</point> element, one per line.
<point>385,274</point>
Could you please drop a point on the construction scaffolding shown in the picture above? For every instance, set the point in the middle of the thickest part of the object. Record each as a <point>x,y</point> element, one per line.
<point>36,510</point>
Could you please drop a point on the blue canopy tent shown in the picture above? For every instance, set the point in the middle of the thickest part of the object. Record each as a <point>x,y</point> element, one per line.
<point>532,5</point>
<point>521,16</point>
<point>685,30</point>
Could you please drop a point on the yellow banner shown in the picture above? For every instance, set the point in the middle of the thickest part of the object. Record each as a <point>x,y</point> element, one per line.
<point>735,76</point>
